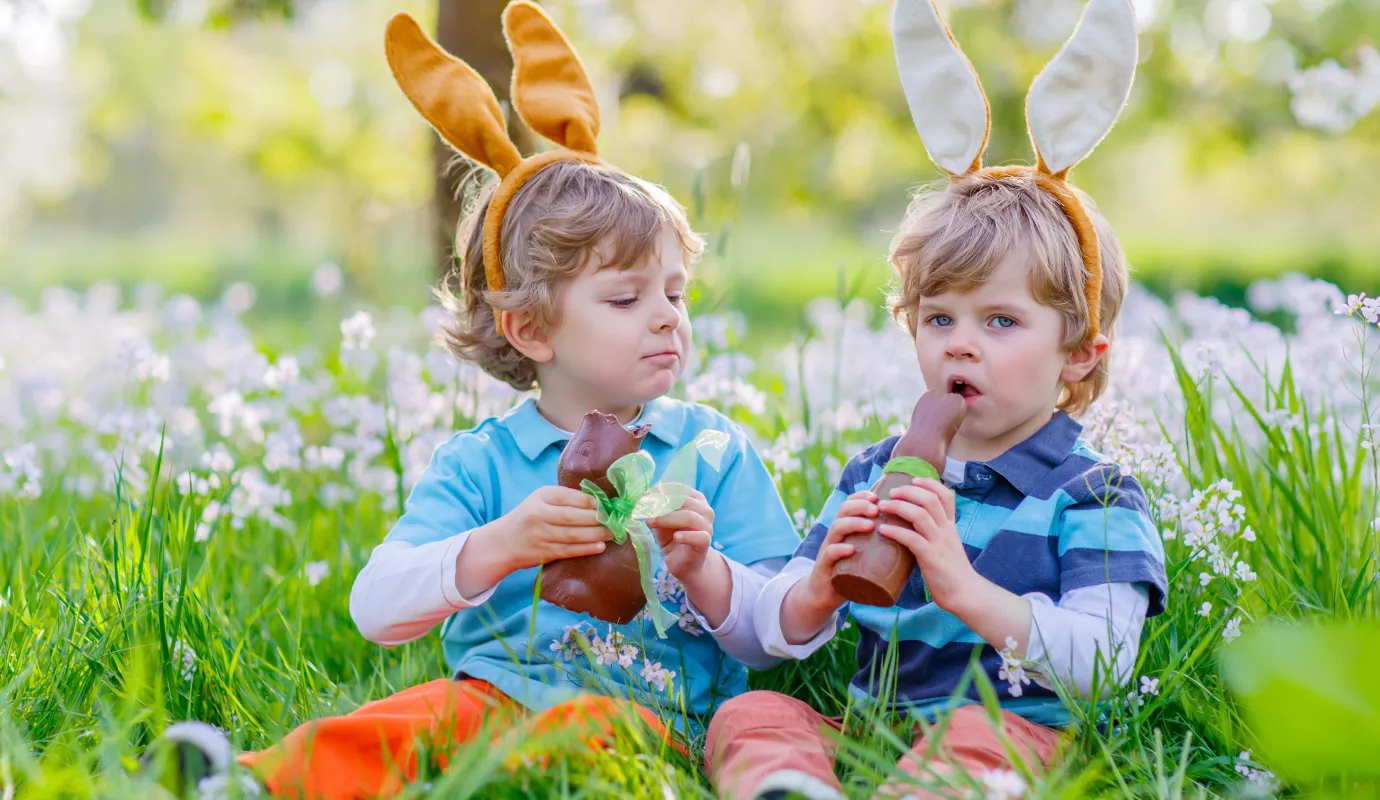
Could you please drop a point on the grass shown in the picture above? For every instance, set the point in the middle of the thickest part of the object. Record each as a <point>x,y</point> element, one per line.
<point>115,621</point>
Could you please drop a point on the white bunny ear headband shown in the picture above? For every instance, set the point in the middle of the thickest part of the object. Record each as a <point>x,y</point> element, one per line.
<point>1071,106</point>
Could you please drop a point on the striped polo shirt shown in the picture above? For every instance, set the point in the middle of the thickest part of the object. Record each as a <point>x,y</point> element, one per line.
<point>1049,515</point>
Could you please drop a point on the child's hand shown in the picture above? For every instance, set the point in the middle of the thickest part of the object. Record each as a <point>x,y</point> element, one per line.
<point>858,514</point>
<point>928,505</point>
<point>809,604</point>
<point>685,535</point>
<point>552,523</point>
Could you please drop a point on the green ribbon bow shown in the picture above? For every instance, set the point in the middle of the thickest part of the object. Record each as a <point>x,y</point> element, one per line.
<point>912,466</point>
<point>916,468</point>
<point>638,499</point>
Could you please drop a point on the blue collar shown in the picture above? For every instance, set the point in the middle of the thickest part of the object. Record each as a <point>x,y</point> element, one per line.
<point>1026,464</point>
<point>535,433</point>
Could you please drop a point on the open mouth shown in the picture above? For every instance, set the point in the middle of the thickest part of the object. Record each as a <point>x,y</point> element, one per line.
<point>964,389</point>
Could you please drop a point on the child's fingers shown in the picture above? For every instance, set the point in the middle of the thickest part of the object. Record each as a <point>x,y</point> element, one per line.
<point>944,493</point>
<point>847,526</point>
<point>698,504</point>
<point>566,515</point>
<point>577,550</point>
<point>835,553</point>
<point>581,534</point>
<point>859,507</point>
<point>918,516</point>
<point>923,498</point>
<point>698,540</point>
<point>564,496</point>
<point>907,538</point>
<point>682,519</point>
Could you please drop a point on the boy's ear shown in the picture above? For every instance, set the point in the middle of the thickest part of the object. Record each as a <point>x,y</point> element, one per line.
<point>1083,357</point>
<point>526,333</point>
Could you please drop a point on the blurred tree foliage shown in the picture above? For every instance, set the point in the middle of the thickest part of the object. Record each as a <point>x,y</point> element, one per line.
<point>269,119</point>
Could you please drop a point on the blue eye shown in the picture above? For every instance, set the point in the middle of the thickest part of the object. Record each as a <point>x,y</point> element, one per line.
<point>675,298</point>
<point>941,320</point>
<point>999,320</point>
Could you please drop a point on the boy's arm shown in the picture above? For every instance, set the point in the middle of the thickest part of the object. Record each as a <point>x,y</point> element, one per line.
<point>736,633</point>
<point>1111,565</point>
<point>445,553</point>
<point>793,628</point>
<point>1091,624</point>
<point>406,590</point>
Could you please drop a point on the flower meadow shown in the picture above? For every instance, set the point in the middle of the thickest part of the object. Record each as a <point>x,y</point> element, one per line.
<point>184,510</point>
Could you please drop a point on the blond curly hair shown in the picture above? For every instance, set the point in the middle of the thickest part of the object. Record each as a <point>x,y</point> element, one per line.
<point>564,218</point>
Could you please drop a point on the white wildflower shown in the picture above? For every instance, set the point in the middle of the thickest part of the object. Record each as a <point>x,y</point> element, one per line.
<point>653,673</point>
<point>1233,629</point>
<point>1149,685</point>
<point>668,587</point>
<point>572,639</point>
<point>1012,669</point>
<point>1205,609</point>
<point>1259,777</point>
<point>1003,784</point>
<point>183,653</point>
<point>283,374</point>
<point>327,279</point>
<point>688,622</point>
<point>357,331</point>
<point>316,571</point>
<point>326,458</point>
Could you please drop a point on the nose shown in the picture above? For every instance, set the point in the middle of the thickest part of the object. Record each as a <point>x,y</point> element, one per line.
<point>665,316</point>
<point>962,342</point>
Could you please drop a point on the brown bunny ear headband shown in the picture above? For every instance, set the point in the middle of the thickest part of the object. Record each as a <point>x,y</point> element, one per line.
<point>1071,106</point>
<point>551,92</point>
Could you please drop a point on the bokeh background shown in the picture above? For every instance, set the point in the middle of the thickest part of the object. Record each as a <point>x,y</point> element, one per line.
<point>258,152</point>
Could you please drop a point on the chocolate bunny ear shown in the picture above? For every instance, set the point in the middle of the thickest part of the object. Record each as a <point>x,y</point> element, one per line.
<point>946,100</point>
<point>550,88</point>
<point>450,95</point>
<point>1075,100</point>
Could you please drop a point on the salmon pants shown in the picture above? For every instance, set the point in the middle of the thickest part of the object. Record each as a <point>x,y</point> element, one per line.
<point>759,733</point>
<point>374,751</point>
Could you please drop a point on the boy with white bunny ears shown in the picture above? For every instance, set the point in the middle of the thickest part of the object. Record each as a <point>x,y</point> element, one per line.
<point>1033,549</point>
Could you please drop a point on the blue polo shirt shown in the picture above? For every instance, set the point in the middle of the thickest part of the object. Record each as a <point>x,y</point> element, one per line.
<point>1049,515</point>
<point>524,645</point>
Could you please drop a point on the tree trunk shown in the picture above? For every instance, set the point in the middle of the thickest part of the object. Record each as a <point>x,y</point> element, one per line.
<point>471,30</point>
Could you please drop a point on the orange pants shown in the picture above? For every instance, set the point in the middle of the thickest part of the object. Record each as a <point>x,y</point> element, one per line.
<point>758,733</point>
<point>374,750</point>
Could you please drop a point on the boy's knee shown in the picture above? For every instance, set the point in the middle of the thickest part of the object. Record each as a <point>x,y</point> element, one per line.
<point>756,710</point>
<point>759,704</point>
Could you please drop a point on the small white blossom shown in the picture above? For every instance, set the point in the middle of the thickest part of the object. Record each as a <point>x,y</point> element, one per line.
<point>1012,670</point>
<point>1233,629</point>
<point>1259,777</point>
<point>316,571</point>
<point>183,653</point>
<point>1003,784</point>
<point>1149,685</point>
<point>1205,609</point>
<point>653,673</point>
<point>668,587</point>
<point>688,623</point>
<point>568,646</point>
<point>327,279</point>
<point>357,331</point>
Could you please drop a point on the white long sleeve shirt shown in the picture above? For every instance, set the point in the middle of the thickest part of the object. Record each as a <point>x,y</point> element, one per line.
<point>406,590</point>
<point>1065,639</point>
